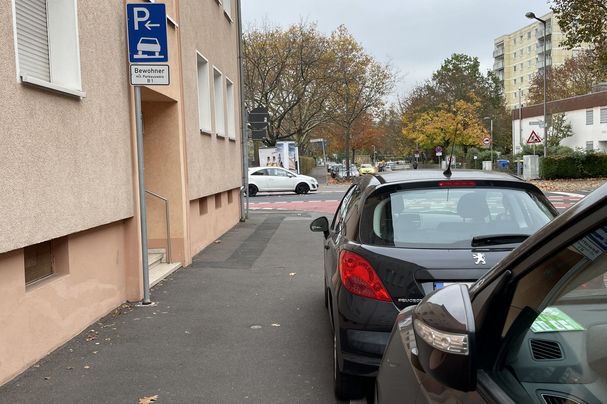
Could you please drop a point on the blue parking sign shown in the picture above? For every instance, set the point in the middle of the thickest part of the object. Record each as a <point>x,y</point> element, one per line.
<point>147,32</point>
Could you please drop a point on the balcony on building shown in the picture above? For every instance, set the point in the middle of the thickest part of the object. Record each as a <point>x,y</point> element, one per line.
<point>539,33</point>
<point>539,47</point>
<point>540,62</point>
<point>498,52</point>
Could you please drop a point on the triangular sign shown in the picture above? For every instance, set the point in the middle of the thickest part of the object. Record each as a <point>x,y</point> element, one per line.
<point>534,138</point>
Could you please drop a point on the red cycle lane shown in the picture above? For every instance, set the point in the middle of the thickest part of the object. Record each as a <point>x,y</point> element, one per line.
<point>328,207</point>
<point>561,202</point>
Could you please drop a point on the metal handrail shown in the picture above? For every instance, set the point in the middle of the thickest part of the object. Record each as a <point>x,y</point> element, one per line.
<point>166,210</point>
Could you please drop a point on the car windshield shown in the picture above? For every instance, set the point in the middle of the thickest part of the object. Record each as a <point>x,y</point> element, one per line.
<point>451,217</point>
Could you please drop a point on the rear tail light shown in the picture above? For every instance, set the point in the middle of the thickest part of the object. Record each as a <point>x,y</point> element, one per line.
<point>457,184</point>
<point>359,277</point>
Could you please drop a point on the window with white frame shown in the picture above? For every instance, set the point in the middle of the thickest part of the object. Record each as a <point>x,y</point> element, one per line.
<point>204,94</point>
<point>603,118</point>
<point>219,106</point>
<point>589,117</point>
<point>230,109</point>
<point>46,39</point>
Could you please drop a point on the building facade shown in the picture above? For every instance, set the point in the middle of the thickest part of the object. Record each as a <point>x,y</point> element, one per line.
<point>70,246</point>
<point>519,56</point>
<point>587,115</point>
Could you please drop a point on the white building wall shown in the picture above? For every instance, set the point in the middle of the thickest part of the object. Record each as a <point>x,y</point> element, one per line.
<point>582,133</point>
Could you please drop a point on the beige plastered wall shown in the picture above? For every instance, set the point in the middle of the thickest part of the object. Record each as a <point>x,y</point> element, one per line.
<point>38,318</point>
<point>207,227</point>
<point>65,162</point>
<point>67,173</point>
<point>214,162</point>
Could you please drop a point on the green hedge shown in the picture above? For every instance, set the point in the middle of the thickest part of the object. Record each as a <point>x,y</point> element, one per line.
<point>306,164</point>
<point>578,165</point>
<point>595,165</point>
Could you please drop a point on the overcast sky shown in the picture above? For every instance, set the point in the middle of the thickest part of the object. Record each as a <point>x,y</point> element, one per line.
<point>415,36</point>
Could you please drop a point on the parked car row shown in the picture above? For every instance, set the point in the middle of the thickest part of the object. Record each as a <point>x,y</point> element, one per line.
<point>464,289</point>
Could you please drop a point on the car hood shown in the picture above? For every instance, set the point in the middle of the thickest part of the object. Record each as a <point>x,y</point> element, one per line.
<point>410,273</point>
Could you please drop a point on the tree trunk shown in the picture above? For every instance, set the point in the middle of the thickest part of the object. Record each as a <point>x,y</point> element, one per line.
<point>256,162</point>
<point>347,134</point>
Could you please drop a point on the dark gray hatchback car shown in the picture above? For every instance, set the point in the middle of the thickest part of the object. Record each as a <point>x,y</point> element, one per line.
<point>532,330</point>
<point>398,236</point>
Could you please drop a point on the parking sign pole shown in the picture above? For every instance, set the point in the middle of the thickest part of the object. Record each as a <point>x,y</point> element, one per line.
<point>142,205</point>
<point>147,43</point>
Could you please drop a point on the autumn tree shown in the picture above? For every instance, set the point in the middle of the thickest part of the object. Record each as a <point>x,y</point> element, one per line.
<point>574,77</point>
<point>391,124</point>
<point>358,86</point>
<point>459,79</point>
<point>584,22</point>
<point>457,123</point>
<point>286,72</point>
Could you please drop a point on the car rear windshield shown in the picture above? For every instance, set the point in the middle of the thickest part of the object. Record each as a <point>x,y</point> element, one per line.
<point>449,217</point>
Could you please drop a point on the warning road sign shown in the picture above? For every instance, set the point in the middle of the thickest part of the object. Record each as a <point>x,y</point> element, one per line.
<point>534,138</point>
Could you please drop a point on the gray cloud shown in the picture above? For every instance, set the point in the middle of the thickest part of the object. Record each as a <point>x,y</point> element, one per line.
<point>414,36</point>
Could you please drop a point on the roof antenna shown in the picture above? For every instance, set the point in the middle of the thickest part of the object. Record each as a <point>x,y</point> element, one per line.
<point>447,173</point>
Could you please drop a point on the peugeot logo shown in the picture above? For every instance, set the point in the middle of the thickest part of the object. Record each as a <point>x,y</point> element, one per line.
<point>480,258</point>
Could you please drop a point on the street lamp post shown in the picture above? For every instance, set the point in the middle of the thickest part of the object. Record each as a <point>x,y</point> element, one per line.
<point>532,16</point>
<point>491,138</point>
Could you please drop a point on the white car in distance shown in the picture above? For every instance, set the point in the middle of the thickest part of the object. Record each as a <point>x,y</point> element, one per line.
<point>277,179</point>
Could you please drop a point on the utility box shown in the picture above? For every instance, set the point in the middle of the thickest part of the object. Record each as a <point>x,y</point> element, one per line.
<point>531,167</point>
<point>487,165</point>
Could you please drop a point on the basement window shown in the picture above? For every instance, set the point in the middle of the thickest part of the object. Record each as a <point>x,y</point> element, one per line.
<point>230,196</point>
<point>203,206</point>
<point>218,201</point>
<point>45,259</point>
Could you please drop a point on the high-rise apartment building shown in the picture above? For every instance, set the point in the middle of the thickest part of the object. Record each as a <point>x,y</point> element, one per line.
<point>520,55</point>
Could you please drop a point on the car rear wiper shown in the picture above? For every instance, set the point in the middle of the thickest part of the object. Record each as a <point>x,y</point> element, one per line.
<point>495,239</point>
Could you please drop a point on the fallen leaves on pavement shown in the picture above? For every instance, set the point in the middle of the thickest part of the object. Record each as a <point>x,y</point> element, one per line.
<point>569,185</point>
<point>148,400</point>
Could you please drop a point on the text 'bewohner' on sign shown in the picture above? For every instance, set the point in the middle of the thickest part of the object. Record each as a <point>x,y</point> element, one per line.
<point>146,75</point>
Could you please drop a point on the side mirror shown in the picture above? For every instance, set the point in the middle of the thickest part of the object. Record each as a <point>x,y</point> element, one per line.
<point>444,333</point>
<point>320,224</point>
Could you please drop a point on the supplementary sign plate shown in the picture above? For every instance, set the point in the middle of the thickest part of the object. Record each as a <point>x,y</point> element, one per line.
<point>150,75</point>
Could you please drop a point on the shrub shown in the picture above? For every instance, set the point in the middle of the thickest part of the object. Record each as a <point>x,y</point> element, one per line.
<point>594,165</point>
<point>306,164</point>
<point>559,167</point>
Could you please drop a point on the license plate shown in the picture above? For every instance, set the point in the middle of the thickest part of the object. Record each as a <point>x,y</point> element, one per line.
<point>440,285</point>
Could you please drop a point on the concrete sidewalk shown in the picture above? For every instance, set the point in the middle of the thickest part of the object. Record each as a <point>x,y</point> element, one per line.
<point>245,323</point>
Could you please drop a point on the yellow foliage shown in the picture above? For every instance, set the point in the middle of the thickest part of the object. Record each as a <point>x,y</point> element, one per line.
<point>459,122</point>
